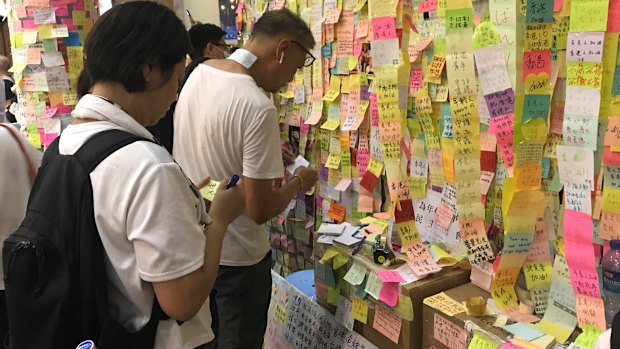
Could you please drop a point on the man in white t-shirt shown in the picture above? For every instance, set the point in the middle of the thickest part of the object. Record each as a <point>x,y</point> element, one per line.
<point>225,123</point>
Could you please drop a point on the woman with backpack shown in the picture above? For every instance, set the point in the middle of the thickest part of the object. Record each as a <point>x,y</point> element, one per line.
<point>161,249</point>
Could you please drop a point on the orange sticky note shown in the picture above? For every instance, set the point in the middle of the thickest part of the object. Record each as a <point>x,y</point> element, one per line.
<point>337,212</point>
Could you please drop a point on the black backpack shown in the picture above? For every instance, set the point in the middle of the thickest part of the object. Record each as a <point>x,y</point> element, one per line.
<point>54,269</point>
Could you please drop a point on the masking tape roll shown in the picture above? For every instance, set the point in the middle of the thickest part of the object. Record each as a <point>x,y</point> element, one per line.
<point>526,307</point>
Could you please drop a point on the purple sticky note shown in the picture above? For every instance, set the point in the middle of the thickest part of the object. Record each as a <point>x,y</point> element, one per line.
<point>500,103</point>
<point>324,173</point>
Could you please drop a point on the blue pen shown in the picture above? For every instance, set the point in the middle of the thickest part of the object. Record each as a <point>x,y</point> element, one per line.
<point>233,181</point>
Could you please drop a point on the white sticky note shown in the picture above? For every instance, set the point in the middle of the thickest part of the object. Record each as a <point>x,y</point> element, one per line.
<point>344,313</point>
<point>331,229</point>
<point>299,162</point>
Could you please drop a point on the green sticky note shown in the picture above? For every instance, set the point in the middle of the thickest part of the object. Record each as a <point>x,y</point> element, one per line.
<point>485,35</point>
<point>536,106</point>
<point>459,18</point>
<point>333,296</point>
<point>539,11</point>
<point>50,45</point>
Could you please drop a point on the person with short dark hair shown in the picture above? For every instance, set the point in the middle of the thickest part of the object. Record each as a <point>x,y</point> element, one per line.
<point>226,123</point>
<point>149,215</point>
<point>9,90</point>
<point>208,41</point>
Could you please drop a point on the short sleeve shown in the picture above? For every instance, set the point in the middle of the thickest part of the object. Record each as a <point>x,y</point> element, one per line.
<point>262,155</point>
<point>164,225</point>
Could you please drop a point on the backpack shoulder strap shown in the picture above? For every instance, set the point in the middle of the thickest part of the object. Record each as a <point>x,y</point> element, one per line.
<point>90,155</point>
<point>101,145</point>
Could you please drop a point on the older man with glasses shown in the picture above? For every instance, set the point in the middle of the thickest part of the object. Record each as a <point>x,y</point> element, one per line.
<point>226,124</point>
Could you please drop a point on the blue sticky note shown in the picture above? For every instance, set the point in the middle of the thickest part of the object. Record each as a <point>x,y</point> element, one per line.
<point>73,39</point>
<point>446,120</point>
<point>326,50</point>
<point>329,276</point>
<point>524,331</point>
<point>361,294</point>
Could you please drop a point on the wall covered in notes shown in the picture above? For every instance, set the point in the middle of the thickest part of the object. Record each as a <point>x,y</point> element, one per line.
<point>488,130</point>
<point>46,46</point>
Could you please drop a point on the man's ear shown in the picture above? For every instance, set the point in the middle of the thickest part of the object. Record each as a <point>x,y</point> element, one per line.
<point>282,45</point>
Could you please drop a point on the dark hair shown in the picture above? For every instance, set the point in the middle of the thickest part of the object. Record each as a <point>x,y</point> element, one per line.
<point>130,36</point>
<point>84,84</point>
<point>283,23</point>
<point>200,35</point>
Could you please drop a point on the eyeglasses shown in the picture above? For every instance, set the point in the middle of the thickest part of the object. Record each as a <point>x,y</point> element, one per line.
<point>309,57</point>
<point>225,47</point>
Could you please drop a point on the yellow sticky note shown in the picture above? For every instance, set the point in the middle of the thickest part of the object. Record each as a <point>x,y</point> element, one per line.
<point>45,31</point>
<point>588,15</point>
<point>375,166</point>
<point>360,310</point>
<point>18,67</point>
<point>535,130</point>
<point>367,220</point>
<point>537,84</point>
<point>69,98</point>
<point>611,199</point>
<point>331,125</point>
<point>279,312</point>
<point>339,260</point>
<point>331,95</point>
<point>561,333</point>
<point>352,62</point>
<point>404,308</point>
<point>330,253</point>
<point>208,191</point>
<point>480,341</point>
<point>333,161</point>
<point>287,94</point>
<point>417,187</point>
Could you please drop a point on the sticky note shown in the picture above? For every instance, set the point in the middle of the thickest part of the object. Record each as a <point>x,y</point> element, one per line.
<point>344,314</point>
<point>480,341</point>
<point>373,285</point>
<point>356,274</point>
<point>333,296</point>
<point>209,190</point>
<point>524,331</point>
<point>445,304</point>
<point>387,324</point>
<point>360,310</point>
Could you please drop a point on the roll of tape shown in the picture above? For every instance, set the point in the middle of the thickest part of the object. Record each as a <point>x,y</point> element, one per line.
<point>526,307</point>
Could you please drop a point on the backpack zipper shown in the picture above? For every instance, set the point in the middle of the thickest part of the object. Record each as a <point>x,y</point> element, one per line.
<point>38,250</point>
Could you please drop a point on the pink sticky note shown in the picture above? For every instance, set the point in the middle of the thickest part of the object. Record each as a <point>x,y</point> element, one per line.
<point>557,5</point>
<point>78,5</point>
<point>384,28</point>
<point>28,24</point>
<point>49,138</point>
<point>415,78</point>
<point>240,7</point>
<point>510,346</point>
<point>49,112</point>
<point>21,11</point>
<point>427,6</point>
<point>443,215</point>
<point>535,62</point>
<point>389,293</point>
<point>62,11</point>
<point>389,275</point>
<point>611,158</point>
<point>374,110</point>
<point>64,109</point>
<point>69,23</point>
<point>387,324</point>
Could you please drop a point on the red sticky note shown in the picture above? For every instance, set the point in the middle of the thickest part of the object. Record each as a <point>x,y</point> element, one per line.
<point>487,161</point>
<point>369,181</point>
<point>535,62</point>
<point>427,6</point>
<point>406,211</point>
<point>613,21</point>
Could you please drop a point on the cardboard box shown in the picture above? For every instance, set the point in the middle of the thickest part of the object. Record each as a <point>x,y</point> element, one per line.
<point>411,331</point>
<point>454,332</point>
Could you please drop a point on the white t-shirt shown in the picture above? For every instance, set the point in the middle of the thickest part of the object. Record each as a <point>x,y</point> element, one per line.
<point>150,221</point>
<point>15,183</point>
<point>225,125</point>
